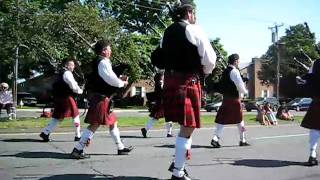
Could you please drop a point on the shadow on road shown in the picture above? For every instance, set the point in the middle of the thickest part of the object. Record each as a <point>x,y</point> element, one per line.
<point>53,155</point>
<point>263,163</point>
<point>32,140</point>
<point>94,176</point>
<point>21,140</point>
<point>193,146</point>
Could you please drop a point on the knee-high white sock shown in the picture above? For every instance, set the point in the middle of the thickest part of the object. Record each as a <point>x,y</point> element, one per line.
<point>50,127</point>
<point>87,135</point>
<point>150,123</point>
<point>182,145</point>
<point>169,127</point>
<point>115,134</point>
<point>242,130</point>
<point>218,132</point>
<point>76,123</point>
<point>313,141</point>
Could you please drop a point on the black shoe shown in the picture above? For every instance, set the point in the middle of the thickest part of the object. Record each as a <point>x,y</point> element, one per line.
<point>45,138</point>
<point>77,138</point>
<point>144,132</point>
<point>78,154</point>
<point>312,161</point>
<point>171,167</point>
<point>215,144</point>
<point>180,178</point>
<point>125,151</point>
<point>244,144</point>
<point>170,135</point>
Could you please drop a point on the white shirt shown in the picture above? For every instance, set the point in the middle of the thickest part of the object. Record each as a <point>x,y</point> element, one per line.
<point>69,79</point>
<point>5,97</point>
<point>107,74</point>
<point>237,79</point>
<point>197,37</point>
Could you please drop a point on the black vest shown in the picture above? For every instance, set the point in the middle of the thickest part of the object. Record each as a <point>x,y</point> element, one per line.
<point>96,84</point>
<point>179,54</point>
<point>60,87</point>
<point>229,88</point>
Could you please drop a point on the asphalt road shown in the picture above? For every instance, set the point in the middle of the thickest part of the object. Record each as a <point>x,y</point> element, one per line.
<point>276,153</point>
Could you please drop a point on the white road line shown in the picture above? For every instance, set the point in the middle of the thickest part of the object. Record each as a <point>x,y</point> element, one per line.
<point>282,136</point>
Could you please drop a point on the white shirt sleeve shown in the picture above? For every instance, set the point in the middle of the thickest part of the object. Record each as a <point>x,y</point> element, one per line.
<point>237,79</point>
<point>69,79</point>
<point>197,37</point>
<point>107,74</point>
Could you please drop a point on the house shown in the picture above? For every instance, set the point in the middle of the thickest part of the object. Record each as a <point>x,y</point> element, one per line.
<point>255,88</point>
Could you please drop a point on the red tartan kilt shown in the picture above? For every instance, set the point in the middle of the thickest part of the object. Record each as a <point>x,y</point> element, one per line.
<point>98,112</point>
<point>182,99</point>
<point>64,108</point>
<point>230,112</point>
<point>312,118</point>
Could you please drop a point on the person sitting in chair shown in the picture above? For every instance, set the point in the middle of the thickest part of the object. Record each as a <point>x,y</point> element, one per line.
<point>6,101</point>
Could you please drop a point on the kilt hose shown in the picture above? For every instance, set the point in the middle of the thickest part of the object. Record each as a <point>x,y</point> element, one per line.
<point>157,110</point>
<point>64,107</point>
<point>230,112</point>
<point>312,118</point>
<point>182,98</point>
<point>98,112</point>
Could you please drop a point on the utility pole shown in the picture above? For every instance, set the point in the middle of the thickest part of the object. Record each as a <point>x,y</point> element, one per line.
<point>276,44</point>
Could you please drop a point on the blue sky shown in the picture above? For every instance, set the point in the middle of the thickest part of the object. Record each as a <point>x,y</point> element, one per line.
<point>242,25</point>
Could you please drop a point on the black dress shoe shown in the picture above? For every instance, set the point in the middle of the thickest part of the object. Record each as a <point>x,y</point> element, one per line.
<point>171,167</point>
<point>243,143</point>
<point>125,151</point>
<point>215,144</point>
<point>180,178</point>
<point>312,161</point>
<point>144,132</point>
<point>77,138</point>
<point>78,154</point>
<point>170,135</point>
<point>45,138</point>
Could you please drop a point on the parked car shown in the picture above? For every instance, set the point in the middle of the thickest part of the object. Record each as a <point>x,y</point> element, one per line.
<point>299,104</point>
<point>213,106</point>
<point>252,105</point>
<point>27,98</point>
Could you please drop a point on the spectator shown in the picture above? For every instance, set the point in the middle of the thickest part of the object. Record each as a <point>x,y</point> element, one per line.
<point>270,114</point>
<point>262,117</point>
<point>283,113</point>
<point>6,101</point>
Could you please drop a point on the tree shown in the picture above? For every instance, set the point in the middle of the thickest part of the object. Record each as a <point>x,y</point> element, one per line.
<point>297,43</point>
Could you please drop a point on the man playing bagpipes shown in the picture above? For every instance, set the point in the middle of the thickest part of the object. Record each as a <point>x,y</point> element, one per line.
<point>185,53</point>
<point>156,109</point>
<point>311,87</point>
<point>64,104</point>
<point>230,111</point>
<point>102,85</point>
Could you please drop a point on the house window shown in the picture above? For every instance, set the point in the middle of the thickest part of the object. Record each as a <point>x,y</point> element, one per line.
<point>138,91</point>
<point>264,93</point>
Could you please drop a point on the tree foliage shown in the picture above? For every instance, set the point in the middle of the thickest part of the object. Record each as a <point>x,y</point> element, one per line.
<point>296,41</point>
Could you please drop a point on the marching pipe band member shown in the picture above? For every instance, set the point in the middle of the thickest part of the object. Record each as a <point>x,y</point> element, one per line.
<point>64,104</point>
<point>311,119</point>
<point>230,111</point>
<point>157,109</point>
<point>185,53</point>
<point>103,83</point>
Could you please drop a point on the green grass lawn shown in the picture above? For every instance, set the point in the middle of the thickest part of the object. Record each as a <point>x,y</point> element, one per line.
<point>129,122</point>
